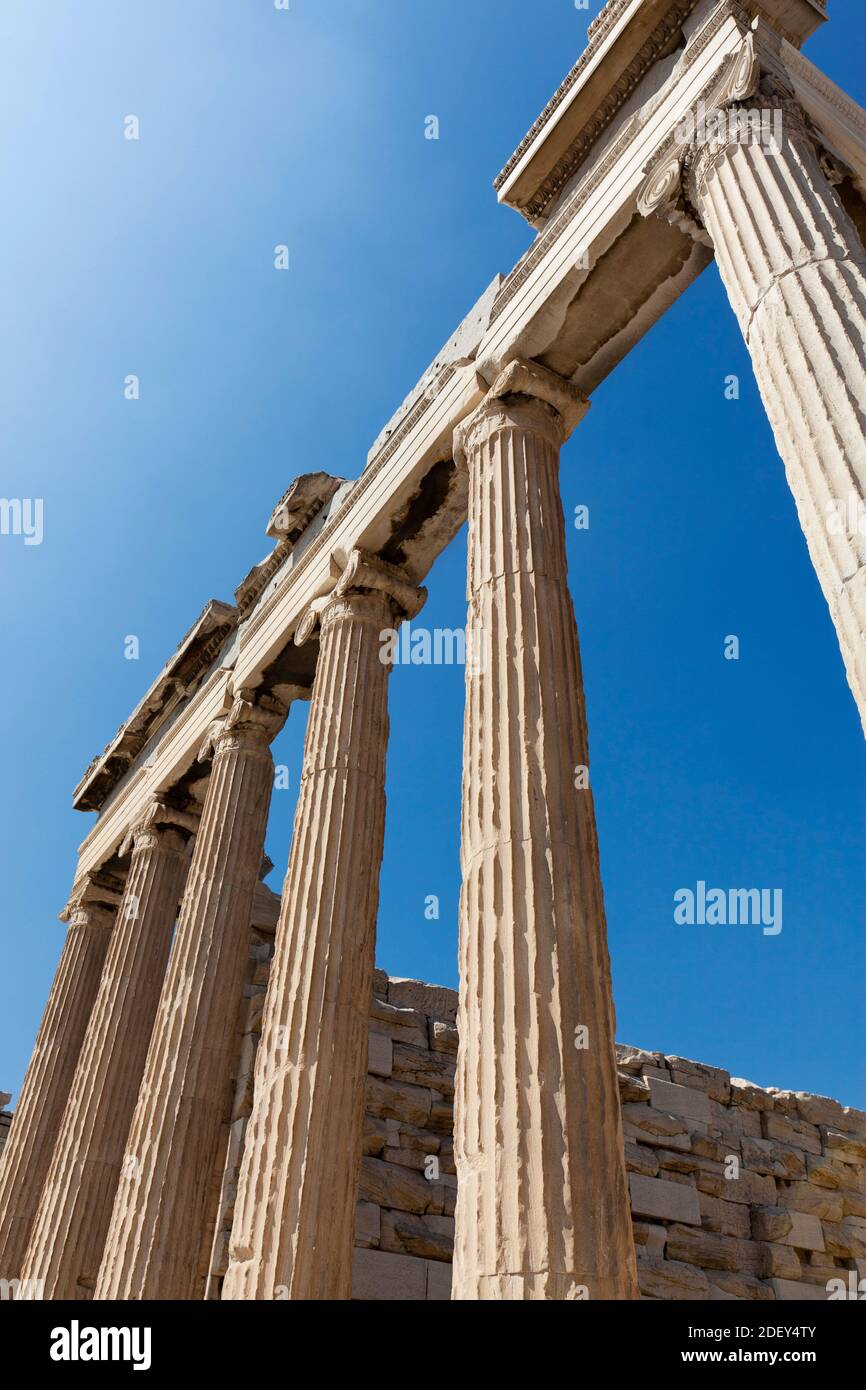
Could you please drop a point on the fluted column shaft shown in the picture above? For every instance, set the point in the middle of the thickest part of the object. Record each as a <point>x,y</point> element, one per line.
<point>294,1221</point>
<point>542,1200</point>
<point>69,1232</point>
<point>794,268</point>
<point>156,1229</point>
<point>27,1153</point>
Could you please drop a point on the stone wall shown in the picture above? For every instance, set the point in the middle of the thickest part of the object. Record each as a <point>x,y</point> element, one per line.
<point>405,1228</point>
<point>738,1192</point>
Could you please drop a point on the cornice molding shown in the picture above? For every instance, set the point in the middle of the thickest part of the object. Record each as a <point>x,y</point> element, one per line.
<point>656,47</point>
<point>545,241</point>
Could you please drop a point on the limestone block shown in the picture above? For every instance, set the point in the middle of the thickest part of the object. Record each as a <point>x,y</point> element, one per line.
<point>380,1051</point>
<point>639,1159</point>
<point>403,1136</point>
<point>805,1232</point>
<point>380,984</point>
<point>749,1188</point>
<point>712,1251</point>
<point>715,1081</point>
<point>380,1276</point>
<point>674,1161</point>
<point>820,1275</point>
<point>727,1285</point>
<point>433,1000</point>
<point>368,1222</point>
<point>421,1067</point>
<point>655,1073</point>
<point>390,1185</point>
<point>663,1200</point>
<point>404,1025</point>
<point>771,1223</point>
<point>670,1279</point>
<point>375,1134</point>
<point>398,1101</point>
<point>780,1261</point>
<point>443,1036</point>
<point>632,1088</point>
<point>789,1290</point>
<point>679,1100</point>
<point>854,1119</point>
<point>731,1122</point>
<point>769,1157</point>
<point>441,1117</point>
<point>815,1201</point>
<point>853,1204</point>
<point>826,1172</point>
<point>704,1146</point>
<point>727,1218</point>
<point>798,1133</point>
<point>658,1124</point>
<point>845,1239</point>
<point>633,1059</point>
<point>636,1135</point>
<point>649,1239</point>
<point>793,1228</point>
<point>438,1282</point>
<point>449,1196</point>
<point>784,1102</point>
<point>749,1096</point>
<point>845,1148</point>
<point>819,1110</point>
<point>407,1158</point>
<point>431,1237</point>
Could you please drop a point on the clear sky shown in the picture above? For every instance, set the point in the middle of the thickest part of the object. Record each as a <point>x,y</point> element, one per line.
<point>155,257</point>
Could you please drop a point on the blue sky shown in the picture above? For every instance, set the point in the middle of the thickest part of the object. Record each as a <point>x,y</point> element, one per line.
<point>155,257</point>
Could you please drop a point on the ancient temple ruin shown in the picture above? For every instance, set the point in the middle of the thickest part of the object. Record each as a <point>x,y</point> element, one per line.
<point>226,1099</point>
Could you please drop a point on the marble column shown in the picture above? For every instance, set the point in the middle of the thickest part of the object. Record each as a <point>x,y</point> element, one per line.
<point>542,1199</point>
<point>26,1158</point>
<point>294,1221</point>
<point>157,1225</point>
<point>794,268</point>
<point>69,1233</point>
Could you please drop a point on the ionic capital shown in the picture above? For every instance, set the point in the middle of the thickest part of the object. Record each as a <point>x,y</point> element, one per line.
<point>371,589</point>
<point>93,902</point>
<point>158,828</point>
<point>255,716</point>
<point>749,106</point>
<point>535,396</point>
